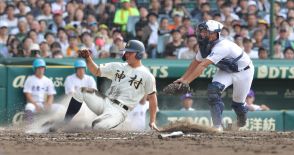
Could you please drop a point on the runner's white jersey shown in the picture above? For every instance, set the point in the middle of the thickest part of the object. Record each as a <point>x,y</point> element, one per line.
<point>39,88</point>
<point>129,85</point>
<point>73,83</point>
<point>226,49</point>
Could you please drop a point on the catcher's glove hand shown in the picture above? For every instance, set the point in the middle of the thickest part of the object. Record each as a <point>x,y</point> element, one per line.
<point>85,53</point>
<point>177,88</point>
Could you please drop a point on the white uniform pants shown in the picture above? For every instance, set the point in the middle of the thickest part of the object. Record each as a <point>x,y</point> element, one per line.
<point>241,82</point>
<point>109,114</point>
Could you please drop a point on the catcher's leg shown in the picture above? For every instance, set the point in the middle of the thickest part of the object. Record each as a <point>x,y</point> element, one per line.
<point>215,102</point>
<point>87,95</point>
<point>112,116</point>
<point>241,86</point>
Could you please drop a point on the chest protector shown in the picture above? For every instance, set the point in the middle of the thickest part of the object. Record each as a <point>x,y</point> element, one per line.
<point>229,65</point>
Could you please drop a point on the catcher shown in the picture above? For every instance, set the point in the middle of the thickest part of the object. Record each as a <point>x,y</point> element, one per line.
<point>235,67</point>
<point>130,82</point>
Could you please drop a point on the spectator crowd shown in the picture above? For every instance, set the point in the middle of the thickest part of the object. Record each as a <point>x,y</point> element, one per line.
<point>58,28</point>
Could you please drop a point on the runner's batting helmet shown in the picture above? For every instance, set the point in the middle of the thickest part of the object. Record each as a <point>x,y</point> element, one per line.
<point>134,46</point>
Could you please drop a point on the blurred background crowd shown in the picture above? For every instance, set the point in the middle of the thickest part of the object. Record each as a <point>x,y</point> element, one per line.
<point>58,28</point>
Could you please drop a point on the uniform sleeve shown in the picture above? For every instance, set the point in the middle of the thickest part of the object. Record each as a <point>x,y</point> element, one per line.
<point>68,88</point>
<point>27,86</point>
<point>150,85</point>
<point>51,88</point>
<point>108,70</point>
<point>217,54</point>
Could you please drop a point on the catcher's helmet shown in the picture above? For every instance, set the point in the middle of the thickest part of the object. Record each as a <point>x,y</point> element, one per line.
<point>38,63</point>
<point>134,46</point>
<point>80,64</point>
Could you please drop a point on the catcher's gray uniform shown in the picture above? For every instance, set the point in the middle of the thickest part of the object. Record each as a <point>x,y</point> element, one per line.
<point>128,87</point>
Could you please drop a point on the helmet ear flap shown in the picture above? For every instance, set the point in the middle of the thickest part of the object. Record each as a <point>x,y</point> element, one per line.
<point>139,55</point>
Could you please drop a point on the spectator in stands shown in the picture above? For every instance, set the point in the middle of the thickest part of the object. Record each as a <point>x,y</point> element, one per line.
<point>152,36</point>
<point>143,21</point>
<point>46,13</point>
<point>88,42</point>
<point>62,38</point>
<point>121,15</point>
<point>72,49</point>
<point>50,38</point>
<point>180,9</point>
<point>155,6</point>
<point>35,10</point>
<point>187,25</point>
<point>58,23</point>
<point>21,33</point>
<point>251,23</point>
<point>225,34</point>
<point>10,17</point>
<point>4,52</point>
<point>289,53</point>
<point>283,37</point>
<point>39,92</point>
<point>13,46</point>
<point>242,10</point>
<point>177,21</point>
<point>263,6</point>
<point>187,102</point>
<point>264,27</point>
<point>118,44</point>
<point>58,6</point>
<point>239,40</point>
<point>56,48</point>
<point>203,9</point>
<point>250,103</point>
<point>163,27</point>
<point>172,48</point>
<point>45,50</point>
<point>236,27</point>
<point>258,39</point>
<point>226,12</point>
<point>35,26</point>
<point>278,52</point>
<point>2,9</point>
<point>3,33</point>
<point>78,18</point>
<point>252,7</point>
<point>22,9</point>
<point>33,35</point>
<point>262,53</point>
<point>70,9</point>
<point>35,50</point>
<point>92,25</point>
<point>167,8</point>
<point>25,50</point>
<point>247,43</point>
<point>188,52</point>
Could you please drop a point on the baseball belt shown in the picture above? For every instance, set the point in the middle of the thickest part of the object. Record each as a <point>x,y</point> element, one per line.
<point>118,103</point>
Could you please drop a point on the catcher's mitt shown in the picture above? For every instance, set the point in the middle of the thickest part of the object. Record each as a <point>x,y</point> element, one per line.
<point>177,88</point>
<point>84,53</point>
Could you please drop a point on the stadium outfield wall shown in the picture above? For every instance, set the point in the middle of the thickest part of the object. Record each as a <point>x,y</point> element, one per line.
<point>273,83</point>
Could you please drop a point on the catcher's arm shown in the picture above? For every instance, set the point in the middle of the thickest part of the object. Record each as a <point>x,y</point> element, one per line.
<point>190,69</point>
<point>94,69</point>
<point>197,72</point>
